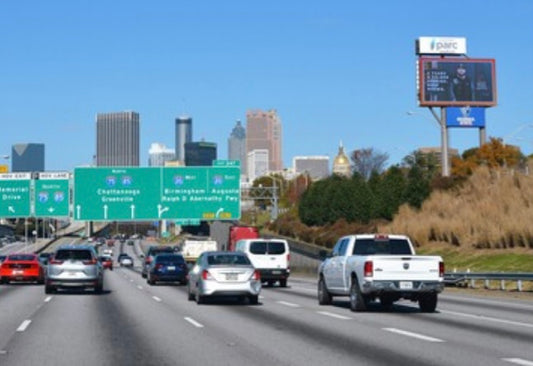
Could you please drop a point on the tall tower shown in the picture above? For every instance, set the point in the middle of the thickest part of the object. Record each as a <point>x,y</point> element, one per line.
<point>117,139</point>
<point>341,163</point>
<point>200,153</point>
<point>27,157</point>
<point>183,135</point>
<point>237,145</point>
<point>159,154</point>
<point>263,131</point>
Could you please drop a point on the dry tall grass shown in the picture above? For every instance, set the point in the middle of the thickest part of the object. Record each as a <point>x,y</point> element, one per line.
<point>493,209</point>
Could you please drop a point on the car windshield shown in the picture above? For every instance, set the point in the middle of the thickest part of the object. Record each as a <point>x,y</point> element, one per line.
<point>389,247</point>
<point>169,259</point>
<point>228,259</point>
<point>21,257</point>
<point>72,254</point>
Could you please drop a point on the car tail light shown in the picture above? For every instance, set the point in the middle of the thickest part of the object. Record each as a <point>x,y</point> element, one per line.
<point>148,260</point>
<point>369,269</point>
<point>91,261</point>
<point>158,266</point>
<point>441,269</point>
<point>206,275</point>
<point>55,261</point>
<point>256,276</point>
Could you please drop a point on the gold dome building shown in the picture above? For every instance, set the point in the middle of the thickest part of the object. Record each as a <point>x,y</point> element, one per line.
<point>341,163</point>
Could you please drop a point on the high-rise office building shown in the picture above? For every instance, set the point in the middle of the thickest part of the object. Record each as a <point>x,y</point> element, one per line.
<point>263,131</point>
<point>183,135</point>
<point>257,164</point>
<point>159,154</point>
<point>200,153</point>
<point>27,157</point>
<point>317,167</point>
<point>237,145</point>
<point>117,139</point>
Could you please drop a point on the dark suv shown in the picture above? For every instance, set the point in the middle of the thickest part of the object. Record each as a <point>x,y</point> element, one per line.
<point>74,266</point>
<point>152,252</point>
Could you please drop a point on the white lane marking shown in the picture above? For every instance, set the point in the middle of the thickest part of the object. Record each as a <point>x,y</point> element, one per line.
<point>131,280</point>
<point>261,297</point>
<point>140,287</point>
<point>313,290</point>
<point>289,304</point>
<point>3,352</point>
<point>156,298</point>
<point>483,317</point>
<point>48,299</point>
<point>193,322</point>
<point>25,324</point>
<point>413,335</point>
<point>518,361</point>
<point>336,316</point>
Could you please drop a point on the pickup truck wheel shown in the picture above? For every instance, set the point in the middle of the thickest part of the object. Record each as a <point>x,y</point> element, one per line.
<point>357,300</point>
<point>428,302</point>
<point>190,295</point>
<point>283,283</point>
<point>324,297</point>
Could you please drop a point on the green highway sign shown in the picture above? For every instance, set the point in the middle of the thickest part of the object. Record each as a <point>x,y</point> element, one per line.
<point>132,193</point>
<point>227,163</point>
<point>15,197</point>
<point>52,194</point>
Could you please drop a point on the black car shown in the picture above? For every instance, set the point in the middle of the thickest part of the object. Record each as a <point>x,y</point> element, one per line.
<point>152,252</point>
<point>168,267</point>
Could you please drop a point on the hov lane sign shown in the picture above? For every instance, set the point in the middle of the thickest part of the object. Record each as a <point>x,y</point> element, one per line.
<point>52,194</point>
<point>15,197</point>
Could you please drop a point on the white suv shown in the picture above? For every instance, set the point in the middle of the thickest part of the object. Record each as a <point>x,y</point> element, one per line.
<point>270,256</point>
<point>74,266</point>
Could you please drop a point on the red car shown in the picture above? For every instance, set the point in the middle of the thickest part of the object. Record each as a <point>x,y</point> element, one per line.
<point>21,267</point>
<point>107,262</point>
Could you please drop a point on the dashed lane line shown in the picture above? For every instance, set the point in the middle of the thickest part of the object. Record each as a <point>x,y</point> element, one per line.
<point>488,318</point>
<point>289,304</point>
<point>156,298</point>
<point>333,315</point>
<point>48,299</point>
<point>25,324</point>
<point>518,361</point>
<point>193,322</point>
<point>413,335</point>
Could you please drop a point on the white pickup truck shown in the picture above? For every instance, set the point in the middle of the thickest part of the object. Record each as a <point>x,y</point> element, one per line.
<point>367,267</point>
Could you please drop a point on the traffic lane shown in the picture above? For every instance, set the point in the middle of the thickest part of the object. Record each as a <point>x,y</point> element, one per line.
<point>18,302</point>
<point>496,337</point>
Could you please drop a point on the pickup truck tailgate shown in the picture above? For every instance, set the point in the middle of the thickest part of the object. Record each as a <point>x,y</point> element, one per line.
<point>413,268</point>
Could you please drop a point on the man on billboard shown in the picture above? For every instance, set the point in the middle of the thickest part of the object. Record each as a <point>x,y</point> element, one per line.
<point>461,85</point>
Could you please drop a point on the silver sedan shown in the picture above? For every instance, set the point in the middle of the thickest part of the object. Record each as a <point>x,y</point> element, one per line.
<point>224,274</point>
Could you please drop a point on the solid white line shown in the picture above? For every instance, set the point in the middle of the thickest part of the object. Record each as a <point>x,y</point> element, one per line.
<point>48,299</point>
<point>336,316</point>
<point>289,304</point>
<point>193,322</point>
<point>518,361</point>
<point>156,298</point>
<point>25,324</point>
<point>413,335</point>
<point>483,317</point>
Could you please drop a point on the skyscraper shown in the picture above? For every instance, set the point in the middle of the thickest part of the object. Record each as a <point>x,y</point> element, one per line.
<point>27,157</point>
<point>257,163</point>
<point>263,131</point>
<point>200,153</point>
<point>117,139</point>
<point>159,154</point>
<point>183,135</point>
<point>316,166</point>
<point>237,145</point>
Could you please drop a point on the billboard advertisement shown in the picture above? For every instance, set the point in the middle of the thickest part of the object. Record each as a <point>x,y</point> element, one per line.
<point>465,117</point>
<point>456,82</point>
<point>441,46</point>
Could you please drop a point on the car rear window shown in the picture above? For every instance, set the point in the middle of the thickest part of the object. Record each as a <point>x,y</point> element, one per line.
<point>163,259</point>
<point>388,247</point>
<point>73,254</point>
<point>222,259</point>
<point>267,247</point>
<point>21,257</point>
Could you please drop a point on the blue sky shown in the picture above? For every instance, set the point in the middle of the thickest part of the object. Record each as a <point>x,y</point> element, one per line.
<point>336,70</point>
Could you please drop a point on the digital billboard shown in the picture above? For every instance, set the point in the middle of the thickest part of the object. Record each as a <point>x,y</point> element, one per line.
<point>457,82</point>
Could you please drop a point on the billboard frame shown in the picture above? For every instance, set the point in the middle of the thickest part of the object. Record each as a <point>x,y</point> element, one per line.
<point>423,98</point>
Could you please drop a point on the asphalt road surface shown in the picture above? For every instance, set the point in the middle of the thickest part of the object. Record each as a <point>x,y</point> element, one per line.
<point>133,323</point>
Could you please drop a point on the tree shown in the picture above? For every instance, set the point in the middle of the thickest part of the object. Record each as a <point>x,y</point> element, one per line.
<point>365,161</point>
<point>417,188</point>
<point>390,193</point>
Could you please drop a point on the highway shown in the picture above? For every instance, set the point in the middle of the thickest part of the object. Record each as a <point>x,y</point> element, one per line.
<point>133,323</point>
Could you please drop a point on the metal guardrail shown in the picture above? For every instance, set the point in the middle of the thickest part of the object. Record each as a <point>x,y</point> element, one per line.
<point>470,278</point>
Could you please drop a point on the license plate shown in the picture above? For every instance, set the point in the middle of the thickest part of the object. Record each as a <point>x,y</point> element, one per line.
<point>231,276</point>
<point>18,272</point>
<point>276,272</point>
<point>406,285</point>
<point>171,268</point>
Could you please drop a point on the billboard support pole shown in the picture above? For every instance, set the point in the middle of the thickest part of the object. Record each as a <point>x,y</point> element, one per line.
<point>482,136</point>
<point>444,161</point>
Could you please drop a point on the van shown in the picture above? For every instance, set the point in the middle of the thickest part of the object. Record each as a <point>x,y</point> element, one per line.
<point>271,257</point>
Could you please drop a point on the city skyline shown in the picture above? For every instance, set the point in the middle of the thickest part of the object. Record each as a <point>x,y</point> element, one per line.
<point>332,72</point>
